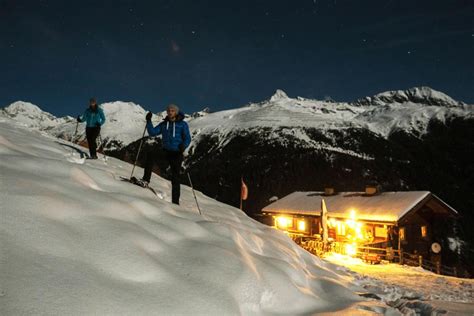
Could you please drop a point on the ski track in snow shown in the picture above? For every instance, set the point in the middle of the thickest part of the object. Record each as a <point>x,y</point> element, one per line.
<point>76,240</point>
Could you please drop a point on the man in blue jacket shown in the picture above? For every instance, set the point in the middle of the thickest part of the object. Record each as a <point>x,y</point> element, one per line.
<point>94,118</point>
<point>175,139</point>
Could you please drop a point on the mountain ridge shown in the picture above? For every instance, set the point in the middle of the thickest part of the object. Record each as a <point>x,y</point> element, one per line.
<point>417,95</point>
<point>382,114</point>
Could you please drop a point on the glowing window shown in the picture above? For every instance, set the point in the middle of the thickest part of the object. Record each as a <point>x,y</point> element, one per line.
<point>283,222</point>
<point>424,231</point>
<point>402,233</point>
<point>340,228</point>
<point>301,225</point>
<point>381,231</point>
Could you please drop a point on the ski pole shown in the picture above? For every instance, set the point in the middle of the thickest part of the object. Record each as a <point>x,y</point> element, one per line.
<point>138,153</point>
<point>101,143</point>
<point>192,188</point>
<point>73,138</point>
<point>75,132</point>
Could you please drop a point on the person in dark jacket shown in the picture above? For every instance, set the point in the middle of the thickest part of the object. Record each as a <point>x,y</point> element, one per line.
<point>94,117</point>
<point>175,138</point>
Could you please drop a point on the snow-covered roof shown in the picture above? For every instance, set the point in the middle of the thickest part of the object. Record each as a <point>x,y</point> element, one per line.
<point>384,207</point>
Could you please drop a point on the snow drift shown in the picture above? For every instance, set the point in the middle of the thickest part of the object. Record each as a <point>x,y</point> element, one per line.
<point>77,240</point>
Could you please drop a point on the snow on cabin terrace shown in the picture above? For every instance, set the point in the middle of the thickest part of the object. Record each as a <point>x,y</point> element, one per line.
<point>412,290</point>
<point>77,240</point>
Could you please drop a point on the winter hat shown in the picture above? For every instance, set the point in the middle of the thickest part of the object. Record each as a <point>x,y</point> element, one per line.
<point>173,106</point>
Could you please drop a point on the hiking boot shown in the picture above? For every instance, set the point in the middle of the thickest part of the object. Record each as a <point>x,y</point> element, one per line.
<point>144,183</point>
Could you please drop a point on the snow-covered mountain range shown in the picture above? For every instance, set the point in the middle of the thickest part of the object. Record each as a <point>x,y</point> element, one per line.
<point>29,115</point>
<point>383,114</point>
<point>125,122</point>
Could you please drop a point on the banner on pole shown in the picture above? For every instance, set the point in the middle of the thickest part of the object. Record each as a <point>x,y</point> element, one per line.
<point>244,191</point>
<point>324,220</point>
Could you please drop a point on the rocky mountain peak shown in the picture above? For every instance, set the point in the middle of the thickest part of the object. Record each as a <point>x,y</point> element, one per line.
<point>278,95</point>
<point>22,107</point>
<point>419,95</point>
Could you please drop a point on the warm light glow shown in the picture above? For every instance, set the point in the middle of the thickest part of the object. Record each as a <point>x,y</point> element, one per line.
<point>353,215</point>
<point>351,249</point>
<point>301,225</point>
<point>332,222</point>
<point>424,231</point>
<point>352,221</point>
<point>401,233</point>
<point>283,222</point>
<point>381,232</point>
<point>340,228</point>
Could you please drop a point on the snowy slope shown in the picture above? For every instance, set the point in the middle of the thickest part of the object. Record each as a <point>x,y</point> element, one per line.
<point>76,240</point>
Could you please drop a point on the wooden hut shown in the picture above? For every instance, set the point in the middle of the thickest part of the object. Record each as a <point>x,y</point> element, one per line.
<point>407,221</point>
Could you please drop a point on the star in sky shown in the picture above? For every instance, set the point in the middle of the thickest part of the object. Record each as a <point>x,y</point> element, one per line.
<point>179,49</point>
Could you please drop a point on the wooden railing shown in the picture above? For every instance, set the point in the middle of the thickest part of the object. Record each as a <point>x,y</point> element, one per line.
<point>393,256</point>
<point>319,248</point>
<point>436,267</point>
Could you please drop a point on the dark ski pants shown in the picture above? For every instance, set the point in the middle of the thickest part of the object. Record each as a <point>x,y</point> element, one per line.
<point>91,134</point>
<point>174,159</point>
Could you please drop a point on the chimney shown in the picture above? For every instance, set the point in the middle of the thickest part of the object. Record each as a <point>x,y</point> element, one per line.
<point>328,190</point>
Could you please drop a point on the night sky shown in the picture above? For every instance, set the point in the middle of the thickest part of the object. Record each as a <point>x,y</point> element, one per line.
<point>224,54</point>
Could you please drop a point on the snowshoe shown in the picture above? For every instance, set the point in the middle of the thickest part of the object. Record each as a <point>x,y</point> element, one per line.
<point>142,183</point>
<point>139,182</point>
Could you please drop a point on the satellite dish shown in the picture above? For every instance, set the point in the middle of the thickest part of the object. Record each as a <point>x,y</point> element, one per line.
<point>435,247</point>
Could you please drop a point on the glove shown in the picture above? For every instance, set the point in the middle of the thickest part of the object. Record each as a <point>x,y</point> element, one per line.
<point>97,124</point>
<point>148,116</point>
<point>181,147</point>
<point>79,118</point>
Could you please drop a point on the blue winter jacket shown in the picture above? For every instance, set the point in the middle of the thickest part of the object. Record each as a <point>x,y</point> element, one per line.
<point>173,133</point>
<point>93,118</point>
